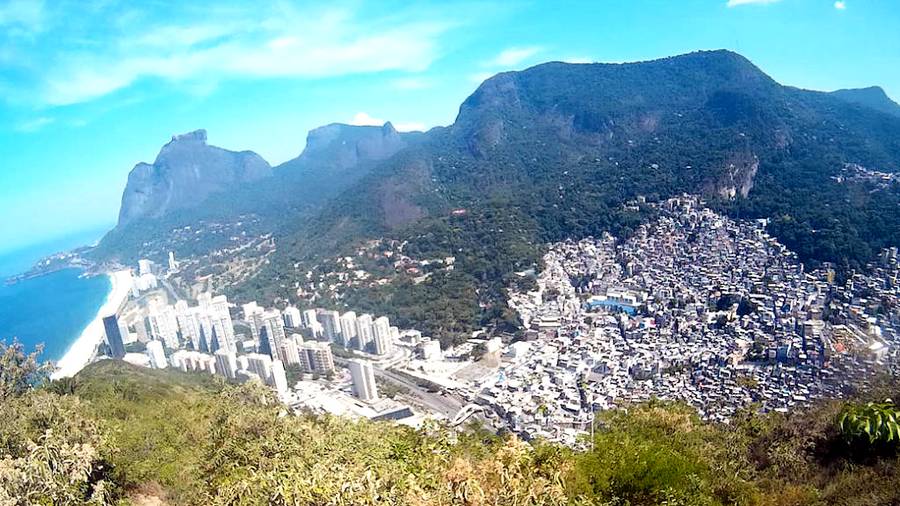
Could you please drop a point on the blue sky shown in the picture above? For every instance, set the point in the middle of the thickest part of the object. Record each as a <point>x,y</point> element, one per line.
<point>89,88</point>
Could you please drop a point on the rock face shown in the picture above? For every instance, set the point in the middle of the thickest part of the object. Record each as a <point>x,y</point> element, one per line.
<point>340,147</point>
<point>186,172</point>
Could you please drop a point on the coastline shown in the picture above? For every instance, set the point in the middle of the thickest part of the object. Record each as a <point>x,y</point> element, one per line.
<point>82,350</point>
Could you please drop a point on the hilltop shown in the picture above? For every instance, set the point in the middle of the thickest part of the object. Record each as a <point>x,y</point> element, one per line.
<point>131,435</point>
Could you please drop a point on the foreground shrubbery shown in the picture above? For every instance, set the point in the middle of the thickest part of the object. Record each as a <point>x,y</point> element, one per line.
<point>117,433</point>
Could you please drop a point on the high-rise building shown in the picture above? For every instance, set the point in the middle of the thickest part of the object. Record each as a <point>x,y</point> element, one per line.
<point>173,265</point>
<point>260,365</point>
<point>316,357</point>
<point>331,326</point>
<point>309,318</point>
<point>157,355</point>
<point>348,329</point>
<point>288,350</point>
<point>220,317</point>
<point>273,324</point>
<point>114,336</point>
<point>279,377</point>
<point>162,322</point>
<point>292,318</point>
<point>363,375</point>
<point>365,333</point>
<point>226,363</point>
<point>383,336</point>
<point>251,310</point>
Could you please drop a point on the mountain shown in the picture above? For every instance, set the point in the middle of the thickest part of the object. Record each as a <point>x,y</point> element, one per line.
<point>555,152</point>
<point>192,183</point>
<point>873,97</point>
<point>186,172</point>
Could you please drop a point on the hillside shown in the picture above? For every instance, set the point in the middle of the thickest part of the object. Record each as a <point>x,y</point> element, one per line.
<point>554,152</point>
<point>545,154</point>
<point>873,97</point>
<point>122,434</point>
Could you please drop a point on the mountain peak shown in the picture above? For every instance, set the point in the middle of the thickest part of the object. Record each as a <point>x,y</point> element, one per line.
<point>873,97</point>
<point>198,135</point>
<point>185,171</point>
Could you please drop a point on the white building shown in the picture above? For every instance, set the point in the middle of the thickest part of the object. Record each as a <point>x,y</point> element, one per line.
<point>279,377</point>
<point>316,358</point>
<point>363,375</point>
<point>348,328</point>
<point>260,365</point>
<point>365,331</point>
<point>226,363</point>
<point>331,325</point>
<point>383,336</point>
<point>157,355</point>
<point>431,350</point>
<point>292,317</point>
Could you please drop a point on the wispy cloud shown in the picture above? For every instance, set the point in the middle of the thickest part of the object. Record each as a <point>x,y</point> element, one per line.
<point>412,83</point>
<point>221,44</point>
<point>840,5</point>
<point>513,56</point>
<point>736,3</point>
<point>364,119</point>
<point>33,125</point>
<point>23,15</point>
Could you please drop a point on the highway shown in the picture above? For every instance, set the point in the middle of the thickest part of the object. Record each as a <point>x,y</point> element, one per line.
<point>445,404</point>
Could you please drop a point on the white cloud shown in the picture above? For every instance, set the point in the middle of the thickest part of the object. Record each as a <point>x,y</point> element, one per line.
<point>251,43</point>
<point>578,59</point>
<point>735,3</point>
<point>364,119</point>
<point>513,56</point>
<point>34,125</point>
<point>412,83</point>
<point>840,5</point>
<point>410,126</point>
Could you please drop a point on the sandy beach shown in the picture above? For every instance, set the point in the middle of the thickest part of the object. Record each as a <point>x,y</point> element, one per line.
<point>82,350</point>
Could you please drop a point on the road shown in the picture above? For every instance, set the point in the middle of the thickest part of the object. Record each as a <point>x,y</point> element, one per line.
<point>445,404</point>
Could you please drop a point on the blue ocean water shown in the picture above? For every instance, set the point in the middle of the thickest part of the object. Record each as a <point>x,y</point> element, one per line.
<point>53,309</point>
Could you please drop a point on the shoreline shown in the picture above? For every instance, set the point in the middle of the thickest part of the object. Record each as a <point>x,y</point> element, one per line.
<point>83,349</point>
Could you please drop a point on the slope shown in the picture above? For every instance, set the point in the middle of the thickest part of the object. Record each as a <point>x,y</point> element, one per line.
<point>555,151</point>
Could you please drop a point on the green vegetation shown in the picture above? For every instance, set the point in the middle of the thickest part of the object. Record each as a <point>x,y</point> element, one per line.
<point>120,434</point>
<point>876,422</point>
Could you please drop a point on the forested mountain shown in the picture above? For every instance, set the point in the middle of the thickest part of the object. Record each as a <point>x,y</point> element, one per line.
<point>873,97</point>
<point>555,151</point>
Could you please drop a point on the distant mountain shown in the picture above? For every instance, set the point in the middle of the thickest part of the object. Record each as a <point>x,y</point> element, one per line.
<point>191,183</point>
<point>873,97</point>
<point>186,171</point>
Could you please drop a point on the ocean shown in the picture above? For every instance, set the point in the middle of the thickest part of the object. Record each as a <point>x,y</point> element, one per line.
<point>53,309</point>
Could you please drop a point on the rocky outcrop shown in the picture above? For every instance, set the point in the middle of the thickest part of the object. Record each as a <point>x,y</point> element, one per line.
<point>186,172</point>
<point>339,147</point>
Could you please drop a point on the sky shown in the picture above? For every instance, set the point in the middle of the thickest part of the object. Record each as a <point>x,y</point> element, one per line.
<point>90,88</point>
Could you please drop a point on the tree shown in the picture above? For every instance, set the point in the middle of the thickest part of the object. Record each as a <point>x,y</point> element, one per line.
<point>20,371</point>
